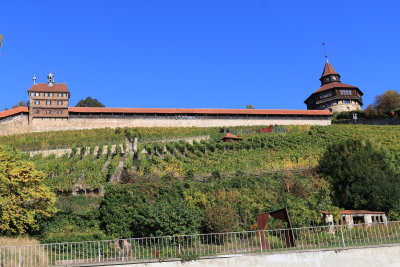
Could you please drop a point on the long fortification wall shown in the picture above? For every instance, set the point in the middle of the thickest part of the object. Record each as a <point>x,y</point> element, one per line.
<point>19,124</point>
<point>14,125</point>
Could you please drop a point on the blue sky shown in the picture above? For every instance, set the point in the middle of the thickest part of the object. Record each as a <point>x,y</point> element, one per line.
<point>197,54</point>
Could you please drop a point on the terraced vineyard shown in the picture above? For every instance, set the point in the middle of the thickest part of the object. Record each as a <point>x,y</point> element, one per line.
<point>295,147</point>
<point>86,171</point>
<point>299,147</point>
<point>62,139</point>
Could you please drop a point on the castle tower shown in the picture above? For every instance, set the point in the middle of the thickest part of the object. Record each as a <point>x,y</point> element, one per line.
<point>334,95</point>
<point>48,100</point>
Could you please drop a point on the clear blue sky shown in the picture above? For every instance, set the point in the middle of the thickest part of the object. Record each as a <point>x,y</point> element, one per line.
<point>197,53</point>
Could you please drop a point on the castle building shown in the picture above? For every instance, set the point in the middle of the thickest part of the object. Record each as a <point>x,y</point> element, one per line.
<point>333,95</point>
<point>48,100</point>
<point>49,110</point>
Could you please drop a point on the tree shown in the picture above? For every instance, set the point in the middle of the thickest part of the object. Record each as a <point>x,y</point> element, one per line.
<point>23,196</point>
<point>362,176</point>
<point>250,107</point>
<point>20,104</point>
<point>384,104</point>
<point>89,102</point>
<point>148,209</point>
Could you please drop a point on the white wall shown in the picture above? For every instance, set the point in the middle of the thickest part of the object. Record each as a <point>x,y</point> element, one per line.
<point>364,257</point>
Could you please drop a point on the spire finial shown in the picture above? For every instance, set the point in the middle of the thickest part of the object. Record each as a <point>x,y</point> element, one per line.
<point>326,55</point>
<point>34,78</point>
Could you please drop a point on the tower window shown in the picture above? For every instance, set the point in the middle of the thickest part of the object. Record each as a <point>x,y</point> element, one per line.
<point>48,102</point>
<point>48,111</point>
<point>346,92</point>
<point>59,102</point>
<point>325,95</point>
<point>37,102</point>
<point>37,111</point>
<point>59,111</point>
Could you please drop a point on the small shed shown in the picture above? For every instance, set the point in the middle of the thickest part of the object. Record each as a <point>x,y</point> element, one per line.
<point>351,217</point>
<point>231,138</point>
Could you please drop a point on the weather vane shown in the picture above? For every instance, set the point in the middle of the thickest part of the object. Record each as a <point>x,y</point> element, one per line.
<point>326,55</point>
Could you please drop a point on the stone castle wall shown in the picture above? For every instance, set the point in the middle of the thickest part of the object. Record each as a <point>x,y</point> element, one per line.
<point>15,125</point>
<point>344,107</point>
<point>19,124</point>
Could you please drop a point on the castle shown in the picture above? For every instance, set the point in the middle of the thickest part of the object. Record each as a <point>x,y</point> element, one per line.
<point>334,95</point>
<point>49,110</point>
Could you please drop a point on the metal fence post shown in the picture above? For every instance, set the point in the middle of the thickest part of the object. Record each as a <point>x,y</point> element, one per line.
<point>19,257</point>
<point>98,248</point>
<point>261,243</point>
<point>341,231</point>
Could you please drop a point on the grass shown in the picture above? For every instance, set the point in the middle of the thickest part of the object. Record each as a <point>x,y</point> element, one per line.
<point>30,254</point>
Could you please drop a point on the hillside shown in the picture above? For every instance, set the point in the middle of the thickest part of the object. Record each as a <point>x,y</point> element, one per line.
<point>291,147</point>
<point>210,181</point>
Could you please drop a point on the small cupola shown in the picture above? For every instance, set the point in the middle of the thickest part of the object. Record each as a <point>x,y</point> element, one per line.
<point>50,79</point>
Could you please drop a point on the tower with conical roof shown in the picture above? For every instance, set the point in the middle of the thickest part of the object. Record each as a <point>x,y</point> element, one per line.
<point>333,95</point>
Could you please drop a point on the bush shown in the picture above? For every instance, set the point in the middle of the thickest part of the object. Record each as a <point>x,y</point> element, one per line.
<point>147,209</point>
<point>362,176</point>
<point>76,220</point>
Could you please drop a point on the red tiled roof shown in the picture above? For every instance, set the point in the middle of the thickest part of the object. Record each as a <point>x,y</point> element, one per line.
<point>200,111</point>
<point>328,70</point>
<point>333,85</point>
<point>44,87</point>
<point>352,212</point>
<point>231,136</point>
<point>14,111</point>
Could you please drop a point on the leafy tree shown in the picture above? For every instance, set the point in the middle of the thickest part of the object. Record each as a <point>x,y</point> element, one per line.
<point>362,176</point>
<point>220,213</point>
<point>147,209</point>
<point>384,104</point>
<point>20,104</point>
<point>250,107</point>
<point>89,102</point>
<point>23,196</point>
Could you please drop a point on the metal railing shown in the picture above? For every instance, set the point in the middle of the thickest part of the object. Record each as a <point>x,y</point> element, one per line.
<point>187,247</point>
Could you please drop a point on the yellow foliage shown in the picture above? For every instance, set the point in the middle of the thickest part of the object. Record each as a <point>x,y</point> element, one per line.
<point>23,196</point>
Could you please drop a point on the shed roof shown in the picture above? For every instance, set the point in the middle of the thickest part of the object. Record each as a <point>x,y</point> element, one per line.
<point>231,136</point>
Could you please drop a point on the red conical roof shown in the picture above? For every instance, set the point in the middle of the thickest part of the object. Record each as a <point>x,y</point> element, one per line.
<point>328,69</point>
